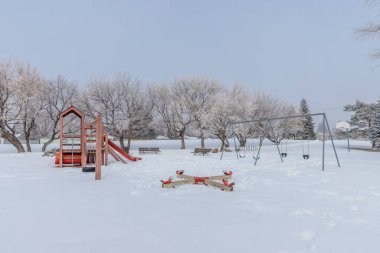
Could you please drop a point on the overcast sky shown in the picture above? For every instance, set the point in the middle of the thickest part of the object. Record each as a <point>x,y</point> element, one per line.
<point>290,49</point>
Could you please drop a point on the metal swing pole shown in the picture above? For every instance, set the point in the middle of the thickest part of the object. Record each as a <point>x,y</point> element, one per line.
<point>236,151</point>
<point>286,147</point>
<point>332,141</point>
<point>258,151</point>
<point>275,138</point>
<point>323,146</point>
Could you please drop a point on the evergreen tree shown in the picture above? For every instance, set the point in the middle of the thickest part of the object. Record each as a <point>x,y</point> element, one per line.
<point>307,131</point>
<point>361,117</point>
<point>374,130</point>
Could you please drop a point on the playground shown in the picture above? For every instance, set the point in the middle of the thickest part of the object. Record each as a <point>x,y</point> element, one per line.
<point>45,208</point>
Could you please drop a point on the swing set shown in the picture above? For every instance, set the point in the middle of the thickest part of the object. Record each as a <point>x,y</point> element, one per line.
<point>238,150</point>
<point>305,153</point>
<point>283,153</point>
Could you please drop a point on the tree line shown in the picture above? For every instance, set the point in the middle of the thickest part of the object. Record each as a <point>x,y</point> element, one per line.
<point>30,106</point>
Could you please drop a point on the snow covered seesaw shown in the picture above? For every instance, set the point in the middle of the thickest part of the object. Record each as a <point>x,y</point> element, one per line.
<point>212,180</point>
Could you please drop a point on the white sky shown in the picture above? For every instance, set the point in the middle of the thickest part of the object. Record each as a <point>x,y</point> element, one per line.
<point>290,49</point>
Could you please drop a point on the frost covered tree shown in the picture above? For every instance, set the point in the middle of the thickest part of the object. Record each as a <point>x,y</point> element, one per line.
<point>267,106</point>
<point>307,131</point>
<point>62,94</point>
<point>22,96</point>
<point>374,130</point>
<point>102,97</point>
<point>30,94</point>
<point>137,107</point>
<point>243,108</point>
<point>285,128</point>
<point>200,95</point>
<point>164,108</point>
<point>170,104</point>
<point>123,103</point>
<point>9,111</point>
<point>221,115</point>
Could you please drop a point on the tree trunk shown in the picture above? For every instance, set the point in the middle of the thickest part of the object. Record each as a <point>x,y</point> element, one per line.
<point>13,140</point>
<point>46,144</point>
<point>223,144</point>
<point>27,135</point>
<point>121,140</point>
<point>183,139</point>
<point>28,147</point>
<point>129,144</point>
<point>52,138</point>
<point>202,138</point>
<point>242,140</point>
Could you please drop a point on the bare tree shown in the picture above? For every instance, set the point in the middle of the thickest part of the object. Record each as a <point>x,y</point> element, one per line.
<point>30,94</point>
<point>244,108</point>
<point>137,108</point>
<point>102,97</point>
<point>170,104</point>
<point>370,30</point>
<point>62,94</point>
<point>124,104</point>
<point>268,107</point>
<point>9,112</point>
<point>165,108</point>
<point>200,95</point>
<point>221,115</point>
<point>184,114</point>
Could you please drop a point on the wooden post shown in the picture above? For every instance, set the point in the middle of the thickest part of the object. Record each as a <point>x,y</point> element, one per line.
<point>83,142</point>
<point>106,150</point>
<point>323,145</point>
<point>60,141</point>
<point>99,145</point>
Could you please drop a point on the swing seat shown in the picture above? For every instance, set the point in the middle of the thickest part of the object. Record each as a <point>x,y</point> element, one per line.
<point>284,154</point>
<point>306,157</point>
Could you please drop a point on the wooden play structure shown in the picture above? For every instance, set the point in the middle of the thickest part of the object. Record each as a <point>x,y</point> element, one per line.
<point>224,185</point>
<point>85,144</point>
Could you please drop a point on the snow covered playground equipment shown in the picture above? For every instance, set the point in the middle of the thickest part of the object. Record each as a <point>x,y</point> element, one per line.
<point>225,185</point>
<point>86,144</point>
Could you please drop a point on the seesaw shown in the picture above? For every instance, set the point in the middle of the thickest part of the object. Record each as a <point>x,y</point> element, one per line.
<point>212,180</point>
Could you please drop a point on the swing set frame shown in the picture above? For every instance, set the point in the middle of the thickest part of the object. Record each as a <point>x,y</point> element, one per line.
<point>269,121</point>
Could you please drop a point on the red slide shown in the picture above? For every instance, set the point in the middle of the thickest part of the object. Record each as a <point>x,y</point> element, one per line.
<point>120,151</point>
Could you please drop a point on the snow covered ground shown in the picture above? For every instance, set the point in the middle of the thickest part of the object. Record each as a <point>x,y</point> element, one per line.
<point>275,207</point>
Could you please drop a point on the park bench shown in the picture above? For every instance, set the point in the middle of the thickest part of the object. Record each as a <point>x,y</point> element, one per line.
<point>150,149</point>
<point>202,151</point>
